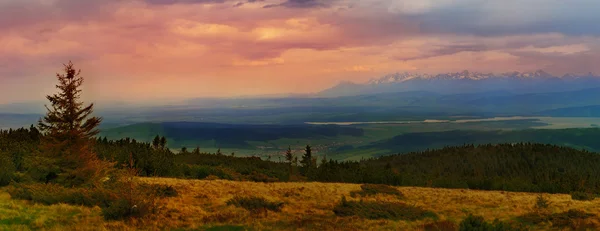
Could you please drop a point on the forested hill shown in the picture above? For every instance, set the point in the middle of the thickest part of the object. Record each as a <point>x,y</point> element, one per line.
<point>578,138</point>
<point>512,167</point>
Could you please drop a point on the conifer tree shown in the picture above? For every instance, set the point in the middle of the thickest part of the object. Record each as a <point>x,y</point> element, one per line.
<point>289,157</point>
<point>156,142</point>
<point>306,160</point>
<point>69,131</point>
<point>163,142</point>
<point>324,160</point>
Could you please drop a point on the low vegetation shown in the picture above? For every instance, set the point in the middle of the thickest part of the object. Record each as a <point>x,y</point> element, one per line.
<point>255,204</point>
<point>440,226</point>
<point>478,223</point>
<point>202,204</point>
<point>374,189</point>
<point>583,196</point>
<point>573,218</point>
<point>381,210</point>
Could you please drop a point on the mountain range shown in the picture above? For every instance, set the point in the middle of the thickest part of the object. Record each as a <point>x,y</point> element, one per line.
<point>467,82</point>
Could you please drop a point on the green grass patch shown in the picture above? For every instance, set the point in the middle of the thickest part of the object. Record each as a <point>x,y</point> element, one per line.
<point>381,210</point>
<point>15,221</point>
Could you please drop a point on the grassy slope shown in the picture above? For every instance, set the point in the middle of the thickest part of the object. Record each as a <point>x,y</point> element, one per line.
<point>201,204</point>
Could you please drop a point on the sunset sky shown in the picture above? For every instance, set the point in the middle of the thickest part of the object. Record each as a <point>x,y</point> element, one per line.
<point>148,49</point>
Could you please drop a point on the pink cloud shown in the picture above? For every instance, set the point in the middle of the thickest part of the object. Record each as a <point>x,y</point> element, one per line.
<point>134,46</point>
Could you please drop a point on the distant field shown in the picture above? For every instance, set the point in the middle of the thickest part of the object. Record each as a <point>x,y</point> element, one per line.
<point>367,140</point>
<point>348,142</point>
<point>201,205</point>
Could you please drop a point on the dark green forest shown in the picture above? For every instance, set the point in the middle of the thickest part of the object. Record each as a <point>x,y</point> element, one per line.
<point>529,167</point>
<point>578,138</point>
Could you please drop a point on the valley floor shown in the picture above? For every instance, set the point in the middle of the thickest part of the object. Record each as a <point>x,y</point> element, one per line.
<point>201,205</point>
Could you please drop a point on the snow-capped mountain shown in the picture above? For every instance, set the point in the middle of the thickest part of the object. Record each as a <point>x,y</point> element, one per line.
<point>467,75</point>
<point>467,82</point>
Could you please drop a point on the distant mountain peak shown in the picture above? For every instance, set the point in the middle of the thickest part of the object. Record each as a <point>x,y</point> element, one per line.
<point>467,75</point>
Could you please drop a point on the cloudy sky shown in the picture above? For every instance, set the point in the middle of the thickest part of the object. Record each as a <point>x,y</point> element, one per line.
<point>147,49</point>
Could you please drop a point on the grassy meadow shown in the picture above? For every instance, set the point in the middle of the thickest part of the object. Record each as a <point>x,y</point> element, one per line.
<point>202,205</point>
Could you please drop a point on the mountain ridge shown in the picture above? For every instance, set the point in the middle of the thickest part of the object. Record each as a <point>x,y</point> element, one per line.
<point>466,82</point>
<point>472,75</point>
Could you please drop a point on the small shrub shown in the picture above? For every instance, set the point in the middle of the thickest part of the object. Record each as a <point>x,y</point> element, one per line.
<point>478,223</point>
<point>120,199</point>
<point>228,228</point>
<point>7,170</point>
<point>255,204</point>
<point>220,217</point>
<point>49,194</point>
<point>541,202</point>
<point>473,223</point>
<point>373,189</point>
<point>130,198</point>
<point>582,196</point>
<point>161,190</point>
<point>440,226</point>
<point>117,210</point>
<point>261,177</point>
<point>571,218</point>
<point>376,210</point>
<point>20,177</point>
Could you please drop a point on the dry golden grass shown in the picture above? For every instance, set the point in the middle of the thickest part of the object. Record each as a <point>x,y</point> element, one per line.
<point>308,206</point>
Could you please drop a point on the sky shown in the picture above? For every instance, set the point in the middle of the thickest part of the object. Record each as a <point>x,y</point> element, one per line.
<point>166,49</point>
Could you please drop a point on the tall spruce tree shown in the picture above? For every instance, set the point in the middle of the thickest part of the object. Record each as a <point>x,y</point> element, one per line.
<point>69,131</point>
<point>307,160</point>
<point>156,142</point>
<point>163,143</point>
<point>289,157</point>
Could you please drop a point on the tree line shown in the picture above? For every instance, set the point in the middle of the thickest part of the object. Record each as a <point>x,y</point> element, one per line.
<point>527,167</point>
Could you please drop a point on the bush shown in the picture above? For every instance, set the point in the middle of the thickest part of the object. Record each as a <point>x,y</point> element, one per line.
<point>377,210</point>
<point>373,189</point>
<point>123,208</point>
<point>541,202</point>
<point>571,218</point>
<point>161,190</point>
<point>132,199</point>
<point>261,177</point>
<point>7,170</point>
<point>255,204</point>
<point>118,200</point>
<point>582,196</point>
<point>478,223</point>
<point>49,194</point>
<point>440,226</point>
<point>41,169</point>
<point>117,210</point>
